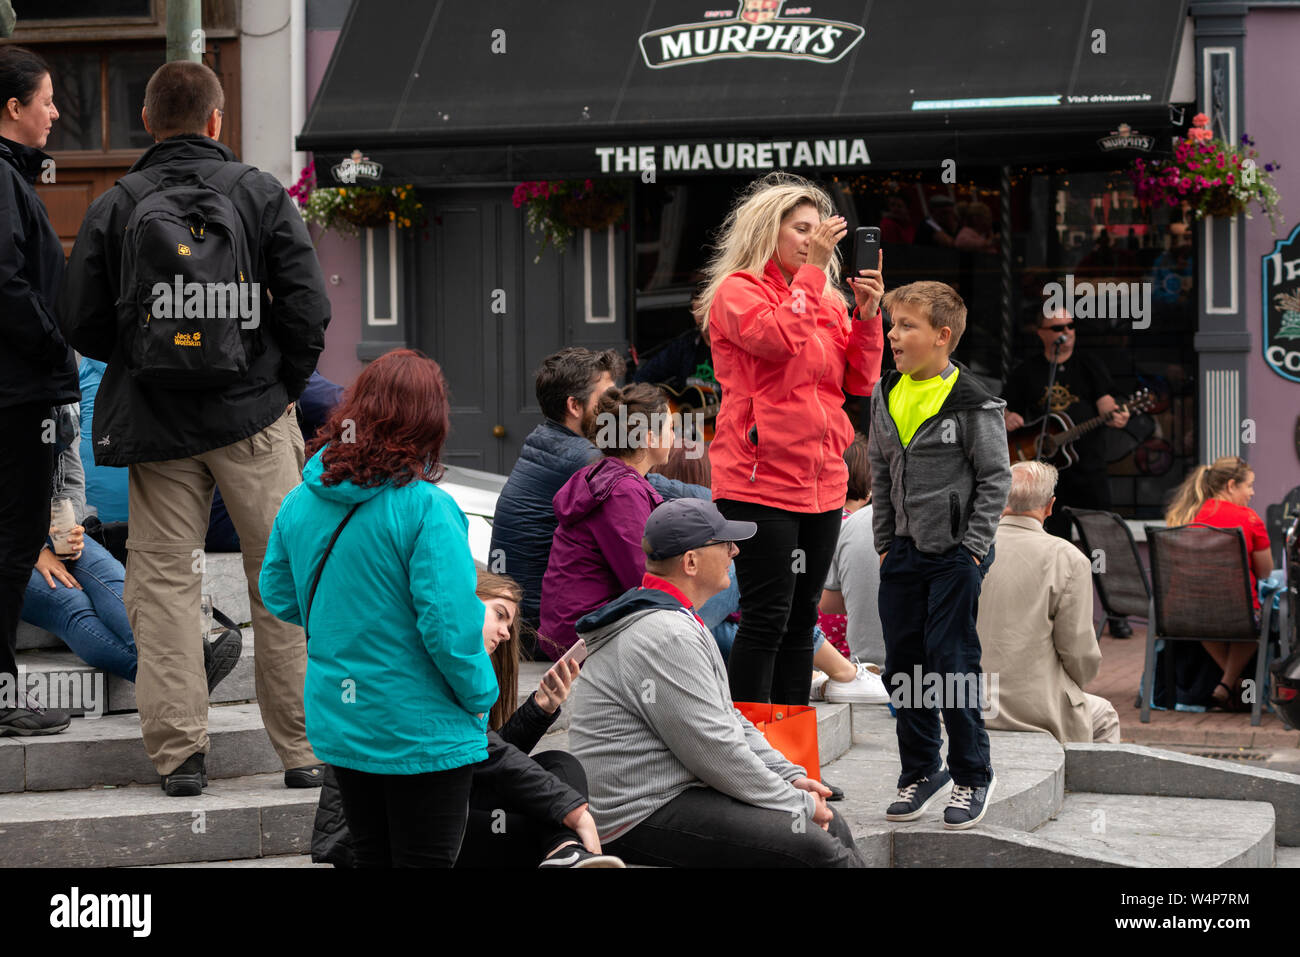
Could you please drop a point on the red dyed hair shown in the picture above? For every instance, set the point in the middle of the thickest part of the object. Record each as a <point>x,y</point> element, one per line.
<point>397,416</point>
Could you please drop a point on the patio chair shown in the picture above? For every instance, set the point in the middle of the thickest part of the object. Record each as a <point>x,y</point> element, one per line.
<point>1200,579</point>
<point>1121,580</point>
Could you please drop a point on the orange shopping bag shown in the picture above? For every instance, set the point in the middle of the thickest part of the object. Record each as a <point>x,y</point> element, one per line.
<point>790,728</point>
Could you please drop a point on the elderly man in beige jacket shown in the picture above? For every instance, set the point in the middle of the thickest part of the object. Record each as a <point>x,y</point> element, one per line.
<point>1035,623</point>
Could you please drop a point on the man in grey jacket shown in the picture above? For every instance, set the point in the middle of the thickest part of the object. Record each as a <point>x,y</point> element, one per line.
<point>678,777</point>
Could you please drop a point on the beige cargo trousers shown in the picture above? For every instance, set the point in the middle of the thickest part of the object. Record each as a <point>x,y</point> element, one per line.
<point>170,504</point>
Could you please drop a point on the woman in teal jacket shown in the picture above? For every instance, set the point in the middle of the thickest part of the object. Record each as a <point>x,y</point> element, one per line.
<point>398,683</point>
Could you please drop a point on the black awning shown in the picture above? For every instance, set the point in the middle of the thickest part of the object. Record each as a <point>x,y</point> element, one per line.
<point>464,91</point>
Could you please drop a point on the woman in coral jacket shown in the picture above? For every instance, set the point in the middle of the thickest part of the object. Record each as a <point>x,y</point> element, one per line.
<point>784,349</point>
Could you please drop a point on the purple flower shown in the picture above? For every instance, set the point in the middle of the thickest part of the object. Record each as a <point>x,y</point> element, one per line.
<point>1268,167</point>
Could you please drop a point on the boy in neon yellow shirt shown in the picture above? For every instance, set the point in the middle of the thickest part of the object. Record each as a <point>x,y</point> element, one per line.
<point>940,478</point>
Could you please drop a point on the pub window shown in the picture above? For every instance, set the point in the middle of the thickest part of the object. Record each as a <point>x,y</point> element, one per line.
<point>93,10</point>
<point>99,93</point>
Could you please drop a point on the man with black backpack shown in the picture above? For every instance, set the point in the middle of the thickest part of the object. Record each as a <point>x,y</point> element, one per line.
<point>196,281</point>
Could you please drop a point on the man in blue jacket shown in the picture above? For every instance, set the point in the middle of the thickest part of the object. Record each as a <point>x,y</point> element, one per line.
<point>568,385</point>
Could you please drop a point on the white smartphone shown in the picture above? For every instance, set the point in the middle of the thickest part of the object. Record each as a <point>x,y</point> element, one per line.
<point>577,653</point>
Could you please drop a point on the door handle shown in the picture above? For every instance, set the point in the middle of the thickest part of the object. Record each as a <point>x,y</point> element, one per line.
<point>499,431</point>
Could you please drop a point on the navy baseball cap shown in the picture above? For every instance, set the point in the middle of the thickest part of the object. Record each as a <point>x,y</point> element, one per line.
<point>676,527</point>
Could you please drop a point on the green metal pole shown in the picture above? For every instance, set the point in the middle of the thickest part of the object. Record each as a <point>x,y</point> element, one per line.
<point>185,39</point>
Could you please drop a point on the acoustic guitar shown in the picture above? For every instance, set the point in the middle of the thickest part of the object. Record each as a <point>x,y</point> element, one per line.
<point>1058,443</point>
<point>691,400</point>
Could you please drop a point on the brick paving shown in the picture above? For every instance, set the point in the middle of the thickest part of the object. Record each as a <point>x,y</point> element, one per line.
<point>1118,680</point>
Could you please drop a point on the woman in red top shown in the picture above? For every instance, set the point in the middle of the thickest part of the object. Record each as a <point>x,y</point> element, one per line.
<point>784,352</point>
<point>1218,495</point>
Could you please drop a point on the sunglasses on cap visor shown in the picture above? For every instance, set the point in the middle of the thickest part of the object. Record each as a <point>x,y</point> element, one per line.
<point>1063,327</point>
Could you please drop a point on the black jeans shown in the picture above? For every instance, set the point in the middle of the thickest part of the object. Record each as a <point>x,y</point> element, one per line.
<point>406,820</point>
<point>928,607</point>
<point>702,827</point>
<point>781,571</point>
<point>26,481</point>
<point>498,835</point>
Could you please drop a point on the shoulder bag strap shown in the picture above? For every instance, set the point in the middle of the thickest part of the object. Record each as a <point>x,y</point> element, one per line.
<point>311,595</point>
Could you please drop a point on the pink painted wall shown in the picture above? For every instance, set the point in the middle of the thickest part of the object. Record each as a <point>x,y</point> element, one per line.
<point>340,256</point>
<point>1272,75</point>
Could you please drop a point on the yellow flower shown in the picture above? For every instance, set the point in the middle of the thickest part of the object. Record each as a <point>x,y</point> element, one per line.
<point>342,191</point>
<point>391,214</point>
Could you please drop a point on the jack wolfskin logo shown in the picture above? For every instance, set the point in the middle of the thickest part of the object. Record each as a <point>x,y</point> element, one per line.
<point>187,339</point>
<point>182,249</point>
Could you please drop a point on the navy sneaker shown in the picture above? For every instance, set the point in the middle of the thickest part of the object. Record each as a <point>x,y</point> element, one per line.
<point>574,856</point>
<point>917,796</point>
<point>967,805</point>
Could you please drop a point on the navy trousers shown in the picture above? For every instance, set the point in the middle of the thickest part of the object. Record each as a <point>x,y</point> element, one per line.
<point>928,606</point>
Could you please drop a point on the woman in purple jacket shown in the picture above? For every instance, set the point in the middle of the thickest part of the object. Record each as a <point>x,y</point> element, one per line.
<point>596,554</point>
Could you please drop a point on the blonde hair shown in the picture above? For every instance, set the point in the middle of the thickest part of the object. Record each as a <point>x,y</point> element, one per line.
<point>942,305</point>
<point>1202,483</point>
<point>748,236</point>
<point>1032,486</point>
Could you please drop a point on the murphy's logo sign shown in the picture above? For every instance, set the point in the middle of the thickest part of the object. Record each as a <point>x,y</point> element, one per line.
<point>757,29</point>
<point>357,167</point>
<point>1280,272</point>
<point>1126,138</point>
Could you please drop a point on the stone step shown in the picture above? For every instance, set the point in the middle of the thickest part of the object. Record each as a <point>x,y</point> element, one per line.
<point>1164,831</point>
<point>1030,772</point>
<point>63,680</point>
<point>29,637</point>
<point>279,860</point>
<point>1134,769</point>
<point>108,751</point>
<point>237,818</point>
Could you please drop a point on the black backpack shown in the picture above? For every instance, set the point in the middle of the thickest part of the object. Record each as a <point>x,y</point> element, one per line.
<point>186,295</point>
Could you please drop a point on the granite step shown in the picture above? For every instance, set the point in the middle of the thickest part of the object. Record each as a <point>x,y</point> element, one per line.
<point>109,751</point>
<point>1164,831</point>
<point>65,681</point>
<point>1135,769</point>
<point>278,860</point>
<point>1030,787</point>
<point>236,818</point>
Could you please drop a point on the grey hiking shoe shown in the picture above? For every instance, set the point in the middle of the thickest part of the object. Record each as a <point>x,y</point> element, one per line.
<point>31,719</point>
<point>915,798</point>
<point>221,656</point>
<point>967,805</point>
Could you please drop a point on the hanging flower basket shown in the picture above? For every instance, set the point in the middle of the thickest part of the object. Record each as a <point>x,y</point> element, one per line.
<point>1211,177</point>
<point>350,209</point>
<point>557,208</point>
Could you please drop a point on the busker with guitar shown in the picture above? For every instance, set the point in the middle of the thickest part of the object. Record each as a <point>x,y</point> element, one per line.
<point>1081,390</point>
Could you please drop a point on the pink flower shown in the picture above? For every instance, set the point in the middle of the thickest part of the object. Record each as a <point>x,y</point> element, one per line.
<point>1231,180</point>
<point>1200,119</point>
<point>1219,162</point>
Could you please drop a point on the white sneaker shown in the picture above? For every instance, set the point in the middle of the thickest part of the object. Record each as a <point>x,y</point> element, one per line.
<point>866,688</point>
<point>818,690</point>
